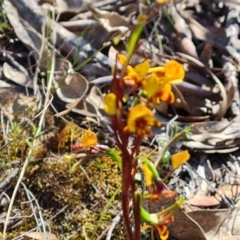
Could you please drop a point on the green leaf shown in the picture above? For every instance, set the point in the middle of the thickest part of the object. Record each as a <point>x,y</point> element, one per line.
<point>133,40</point>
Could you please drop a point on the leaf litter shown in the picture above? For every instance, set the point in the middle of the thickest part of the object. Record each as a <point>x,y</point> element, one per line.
<point>202,35</point>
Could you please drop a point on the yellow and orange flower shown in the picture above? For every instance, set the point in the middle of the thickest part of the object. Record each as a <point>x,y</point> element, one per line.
<point>134,75</point>
<point>88,140</point>
<point>139,119</point>
<point>157,85</point>
<point>157,91</point>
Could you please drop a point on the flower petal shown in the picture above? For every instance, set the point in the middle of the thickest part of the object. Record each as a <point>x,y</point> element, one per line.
<point>179,159</point>
<point>166,94</point>
<point>88,139</point>
<point>121,59</point>
<point>158,70</point>
<point>142,69</point>
<point>162,1</point>
<point>150,85</point>
<point>131,77</point>
<point>147,174</point>
<point>162,232</point>
<point>152,121</point>
<point>174,70</point>
<point>110,103</point>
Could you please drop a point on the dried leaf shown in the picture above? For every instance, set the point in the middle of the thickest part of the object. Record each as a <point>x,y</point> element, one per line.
<point>111,21</point>
<point>179,99</point>
<point>41,235</point>
<point>206,53</point>
<point>189,88</point>
<point>180,24</point>
<point>232,87</point>
<point>95,97</point>
<point>185,45</point>
<point>92,106</point>
<point>20,77</point>
<point>69,4</point>
<point>198,79</point>
<point>203,201</point>
<point>230,191</point>
<point>80,25</point>
<point>112,54</point>
<point>70,86</point>
<point>84,108</point>
<point>218,224</point>
<point>73,87</point>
